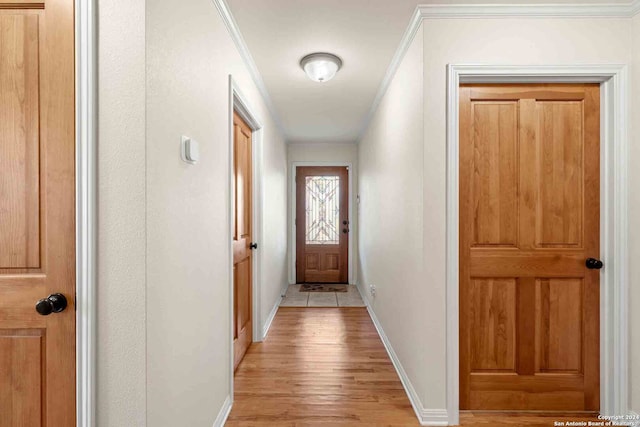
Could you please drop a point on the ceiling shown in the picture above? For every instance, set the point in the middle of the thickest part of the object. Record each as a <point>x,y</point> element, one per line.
<point>364,33</point>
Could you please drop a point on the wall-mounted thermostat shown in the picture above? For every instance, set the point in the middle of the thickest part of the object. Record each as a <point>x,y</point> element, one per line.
<point>189,150</point>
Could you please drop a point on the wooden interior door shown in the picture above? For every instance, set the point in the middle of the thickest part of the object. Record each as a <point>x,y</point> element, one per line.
<point>322,224</point>
<point>529,220</point>
<point>242,244</point>
<point>37,213</point>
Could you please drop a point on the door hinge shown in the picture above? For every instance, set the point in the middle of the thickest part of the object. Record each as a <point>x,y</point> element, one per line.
<point>75,302</point>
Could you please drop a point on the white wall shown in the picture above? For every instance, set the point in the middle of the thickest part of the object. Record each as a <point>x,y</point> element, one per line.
<point>162,239</point>
<point>634,221</point>
<point>501,41</point>
<point>447,41</point>
<point>121,223</point>
<point>189,57</point>
<point>323,152</point>
<point>391,217</point>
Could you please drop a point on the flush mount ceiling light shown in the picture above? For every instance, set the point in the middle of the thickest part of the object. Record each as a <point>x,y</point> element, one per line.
<point>321,67</point>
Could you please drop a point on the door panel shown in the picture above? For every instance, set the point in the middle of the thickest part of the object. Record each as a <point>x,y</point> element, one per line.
<point>559,308</point>
<point>495,192</point>
<point>529,322</point>
<point>322,224</point>
<point>242,257</point>
<point>19,116</point>
<point>21,366</point>
<point>560,174</point>
<point>492,305</point>
<point>37,212</point>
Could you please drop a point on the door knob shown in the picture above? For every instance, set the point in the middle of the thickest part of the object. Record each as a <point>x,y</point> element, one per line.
<point>253,246</point>
<point>594,264</point>
<point>345,230</point>
<point>54,303</point>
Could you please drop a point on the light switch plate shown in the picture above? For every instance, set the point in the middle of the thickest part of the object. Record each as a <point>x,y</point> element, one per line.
<point>189,150</point>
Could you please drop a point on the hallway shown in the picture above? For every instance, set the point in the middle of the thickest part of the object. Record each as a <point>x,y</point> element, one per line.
<point>486,230</point>
<point>319,365</point>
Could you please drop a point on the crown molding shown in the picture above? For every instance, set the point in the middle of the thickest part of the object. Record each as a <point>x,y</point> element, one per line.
<point>243,50</point>
<point>405,42</point>
<point>486,11</point>
<point>432,11</point>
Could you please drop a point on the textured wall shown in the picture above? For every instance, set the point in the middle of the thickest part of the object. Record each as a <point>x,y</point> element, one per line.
<point>121,215</point>
<point>453,41</point>
<point>390,215</point>
<point>189,58</point>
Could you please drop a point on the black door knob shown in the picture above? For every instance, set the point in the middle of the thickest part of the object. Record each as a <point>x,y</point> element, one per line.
<point>594,264</point>
<point>54,303</point>
<point>345,230</point>
<point>253,246</point>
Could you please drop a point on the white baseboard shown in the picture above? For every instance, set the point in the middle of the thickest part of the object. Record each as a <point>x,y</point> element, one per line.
<point>223,414</point>
<point>365,297</point>
<point>272,314</point>
<point>427,417</point>
<point>434,417</point>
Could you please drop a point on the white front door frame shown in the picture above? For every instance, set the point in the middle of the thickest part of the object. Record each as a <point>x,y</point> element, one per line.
<point>239,104</point>
<point>614,282</point>
<point>293,166</point>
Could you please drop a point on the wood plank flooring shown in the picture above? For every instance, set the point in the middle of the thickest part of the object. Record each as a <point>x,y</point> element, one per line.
<point>328,367</point>
<point>322,366</point>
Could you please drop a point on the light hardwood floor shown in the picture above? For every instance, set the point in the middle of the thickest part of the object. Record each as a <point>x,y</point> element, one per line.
<point>327,366</point>
<point>319,366</point>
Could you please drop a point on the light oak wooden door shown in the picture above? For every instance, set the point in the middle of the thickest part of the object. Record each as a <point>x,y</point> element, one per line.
<point>242,244</point>
<point>322,224</point>
<point>37,213</point>
<point>529,220</point>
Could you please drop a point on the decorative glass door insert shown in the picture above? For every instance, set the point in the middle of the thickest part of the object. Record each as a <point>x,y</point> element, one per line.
<point>322,210</point>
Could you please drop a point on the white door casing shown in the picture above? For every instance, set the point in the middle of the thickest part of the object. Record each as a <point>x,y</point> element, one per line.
<point>614,282</point>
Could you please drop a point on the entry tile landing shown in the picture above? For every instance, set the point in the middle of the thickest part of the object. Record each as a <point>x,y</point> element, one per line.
<point>294,298</point>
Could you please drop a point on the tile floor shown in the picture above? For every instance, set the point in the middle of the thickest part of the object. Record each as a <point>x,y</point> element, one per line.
<point>295,298</point>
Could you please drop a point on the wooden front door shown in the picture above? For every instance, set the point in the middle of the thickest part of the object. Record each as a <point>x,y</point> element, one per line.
<point>242,243</point>
<point>322,224</point>
<point>37,214</point>
<point>529,220</point>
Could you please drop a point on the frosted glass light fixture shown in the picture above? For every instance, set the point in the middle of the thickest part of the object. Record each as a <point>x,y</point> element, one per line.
<point>321,67</point>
